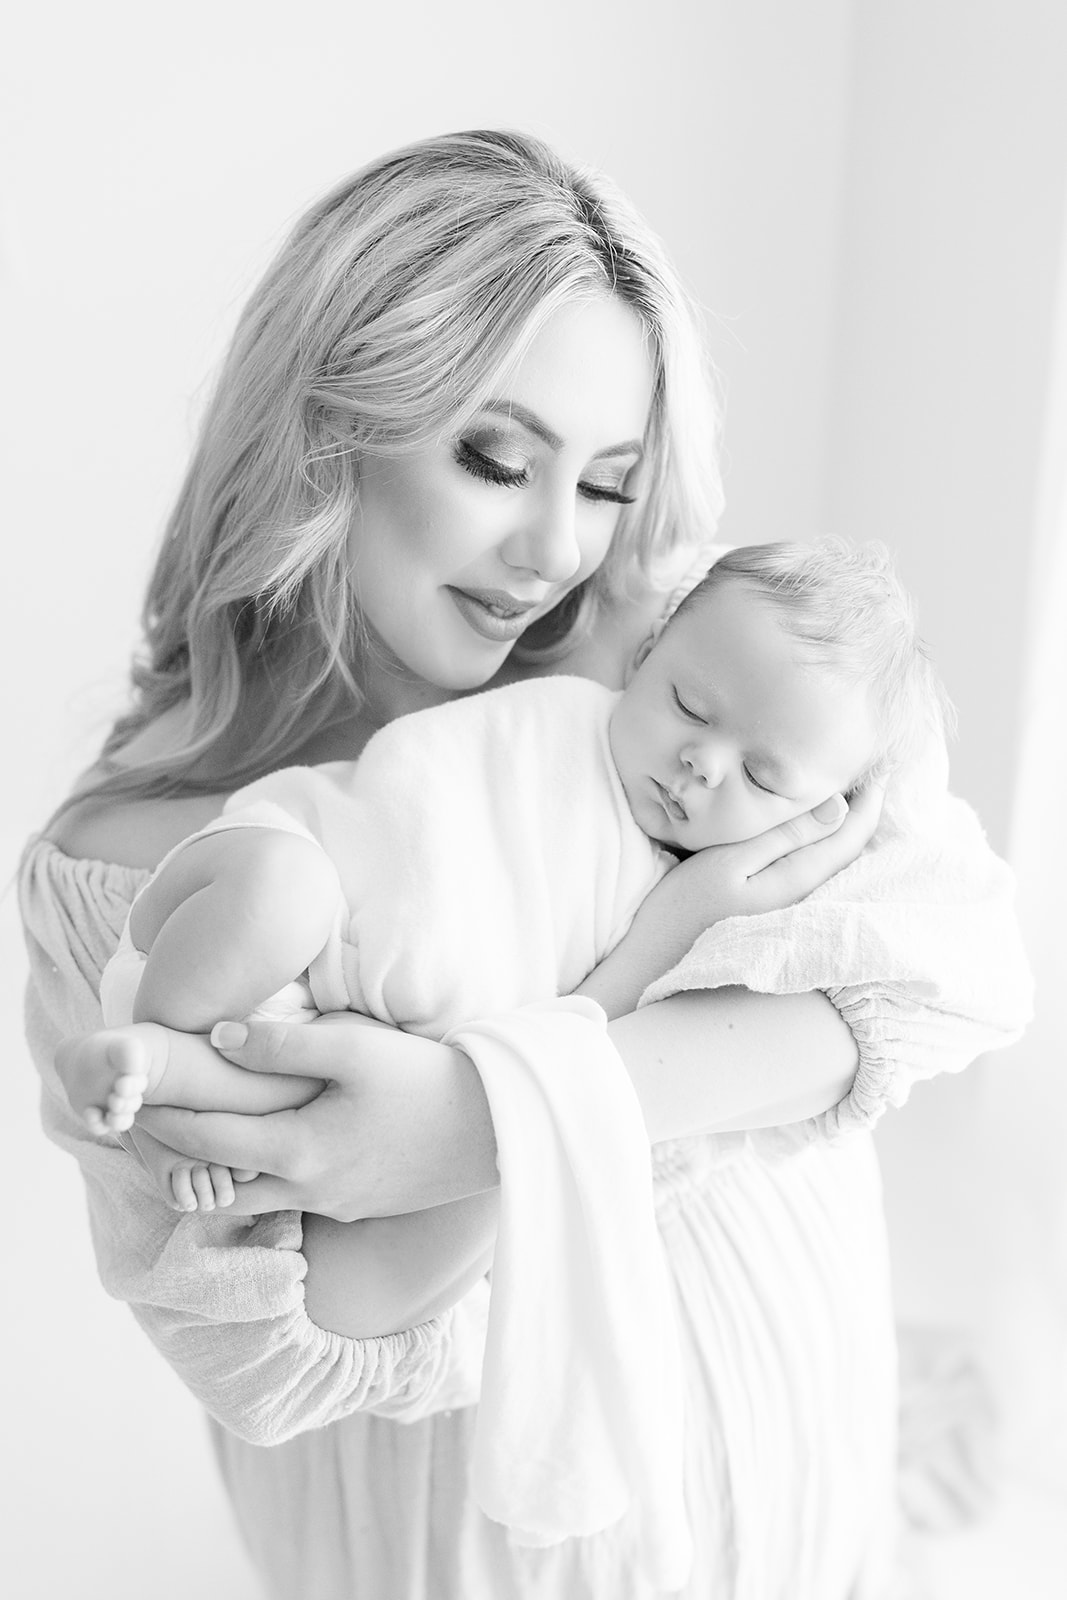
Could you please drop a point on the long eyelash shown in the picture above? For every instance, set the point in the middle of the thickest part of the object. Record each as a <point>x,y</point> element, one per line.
<point>593,491</point>
<point>489,471</point>
<point>686,711</point>
<point>756,783</point>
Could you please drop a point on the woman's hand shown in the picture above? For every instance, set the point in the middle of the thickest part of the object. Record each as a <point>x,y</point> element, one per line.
<point>775,869</point>
<point>402,1124</point>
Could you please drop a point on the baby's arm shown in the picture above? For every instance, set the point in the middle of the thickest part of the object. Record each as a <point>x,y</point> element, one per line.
<point>657,938</point>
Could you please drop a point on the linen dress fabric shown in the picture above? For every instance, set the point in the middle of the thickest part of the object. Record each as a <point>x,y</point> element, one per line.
<point>348,1461</point>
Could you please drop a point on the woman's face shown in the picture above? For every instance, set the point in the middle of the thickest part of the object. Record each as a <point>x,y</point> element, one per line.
<point>459,547</point>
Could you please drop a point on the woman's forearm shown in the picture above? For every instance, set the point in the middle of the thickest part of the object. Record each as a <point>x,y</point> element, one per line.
<point>717,1060</point>
<point>416,1131</point>
<point>373,1278</point>
<point>708,1060</point>
<point>711,1060</point>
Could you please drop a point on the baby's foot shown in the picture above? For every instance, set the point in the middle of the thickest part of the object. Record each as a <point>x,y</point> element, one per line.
<point>201,1185</point>
<point>108,1075</point>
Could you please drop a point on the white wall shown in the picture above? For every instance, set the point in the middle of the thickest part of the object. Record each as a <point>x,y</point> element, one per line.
<point>160,155</point>
<point>954,214</point>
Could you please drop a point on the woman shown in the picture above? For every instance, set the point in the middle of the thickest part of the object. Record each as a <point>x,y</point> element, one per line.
<point>462,436</point>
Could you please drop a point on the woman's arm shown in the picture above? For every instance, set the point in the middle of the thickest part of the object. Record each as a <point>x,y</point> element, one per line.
<point>917,945</point>
<point>420,1131</point>
<point>404,1124</point>
<point>222,1298</point>
<point>764,1060</point>
<point>379,1276</point>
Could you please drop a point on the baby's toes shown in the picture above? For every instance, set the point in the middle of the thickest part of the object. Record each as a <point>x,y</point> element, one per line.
<point>222,1183</point>
<point>130,1086</point>
<point>181,1185</point>
<point>120,1112</point>
<point>243,1174</point>
<point>203,1187</point>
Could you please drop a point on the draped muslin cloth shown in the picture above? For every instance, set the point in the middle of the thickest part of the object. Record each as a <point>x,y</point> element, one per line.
<point>348,1461</point>
<point>591,1424</point>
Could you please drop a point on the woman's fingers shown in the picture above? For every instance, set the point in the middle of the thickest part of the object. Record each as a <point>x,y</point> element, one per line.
<point>798,856</point>
<point>811,827</point>
<point>250,1199</point>
<point>287,1047</point>
<point>270,1144</point>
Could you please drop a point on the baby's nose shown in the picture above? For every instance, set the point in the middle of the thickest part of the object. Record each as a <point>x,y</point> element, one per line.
<point>703,762</point>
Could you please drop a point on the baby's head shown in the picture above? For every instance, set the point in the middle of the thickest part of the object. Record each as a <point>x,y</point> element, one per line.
<point>790,673</point>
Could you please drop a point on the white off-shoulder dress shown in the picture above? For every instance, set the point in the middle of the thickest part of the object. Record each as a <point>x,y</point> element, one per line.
<point>347,1460</point>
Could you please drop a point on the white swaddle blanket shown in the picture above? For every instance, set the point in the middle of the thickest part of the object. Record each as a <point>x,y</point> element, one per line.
<point>488,859</point>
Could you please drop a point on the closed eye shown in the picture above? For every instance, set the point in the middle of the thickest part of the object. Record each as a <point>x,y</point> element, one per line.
<point>597,491</point>
<point>490,471</point>
<point>687,711</point>
<point>757,785</point>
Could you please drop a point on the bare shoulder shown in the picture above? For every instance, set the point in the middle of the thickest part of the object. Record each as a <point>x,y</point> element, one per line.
<point>132,833</point>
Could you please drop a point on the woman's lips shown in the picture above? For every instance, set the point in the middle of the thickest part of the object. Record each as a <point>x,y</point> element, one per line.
<point>493,613</point>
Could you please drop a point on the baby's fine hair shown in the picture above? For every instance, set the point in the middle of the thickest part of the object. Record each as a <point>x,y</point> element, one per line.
<point>848,609</point>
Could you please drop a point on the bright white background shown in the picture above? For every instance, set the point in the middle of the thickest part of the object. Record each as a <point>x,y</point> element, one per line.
<point>868,199</point>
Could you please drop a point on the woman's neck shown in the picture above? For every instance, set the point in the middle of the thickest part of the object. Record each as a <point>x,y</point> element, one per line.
<point>390,690</point>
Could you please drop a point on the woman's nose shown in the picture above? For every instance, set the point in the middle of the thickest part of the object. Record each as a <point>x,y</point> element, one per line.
<point>548,543</point>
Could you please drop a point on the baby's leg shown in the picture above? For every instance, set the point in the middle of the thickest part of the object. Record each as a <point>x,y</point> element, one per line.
<point>109,1075</point>
<point>231,919</point>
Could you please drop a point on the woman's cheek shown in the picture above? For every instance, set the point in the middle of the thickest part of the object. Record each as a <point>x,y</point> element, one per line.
<point>594,542</point>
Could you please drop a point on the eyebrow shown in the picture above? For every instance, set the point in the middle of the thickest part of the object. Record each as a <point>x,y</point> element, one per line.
<point>512,409</point>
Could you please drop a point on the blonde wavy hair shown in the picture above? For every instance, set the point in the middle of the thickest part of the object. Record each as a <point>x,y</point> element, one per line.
<point>380,327</point>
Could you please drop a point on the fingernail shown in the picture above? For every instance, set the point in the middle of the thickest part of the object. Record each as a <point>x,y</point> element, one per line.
<point>831,810</point>
<point>228,1035</point>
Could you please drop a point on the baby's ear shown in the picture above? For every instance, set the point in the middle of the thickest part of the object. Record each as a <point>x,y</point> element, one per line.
<point>640,654</point>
